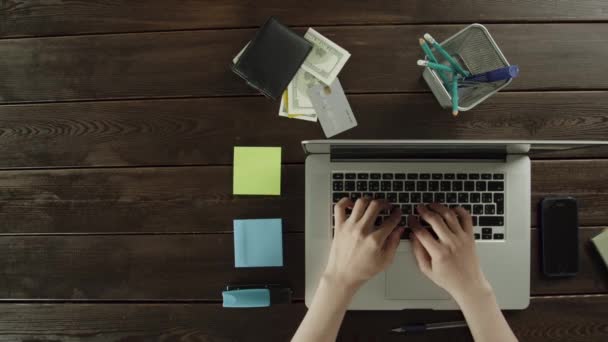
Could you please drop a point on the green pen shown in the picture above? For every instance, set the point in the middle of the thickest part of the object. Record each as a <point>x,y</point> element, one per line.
<point>455,95</point>
<point>446,55</point>
<point>429,54</point>
<point>435,66</point>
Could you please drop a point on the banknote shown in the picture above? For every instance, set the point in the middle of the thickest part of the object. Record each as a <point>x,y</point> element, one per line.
<point>284,111</point>
<point>298,101</point>
<point>326,58</point>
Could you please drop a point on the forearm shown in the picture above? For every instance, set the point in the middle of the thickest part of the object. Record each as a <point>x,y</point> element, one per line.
<point>326,312</point>
<point>484,317</point>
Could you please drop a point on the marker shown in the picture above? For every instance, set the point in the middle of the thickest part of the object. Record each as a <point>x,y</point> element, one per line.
<point>429,54</point>
<point>255,296</point>
<point>499,74</point>
<point>435,66</point>
<point>446,55</point>
<point>455,96</point>
<point>429,326</point>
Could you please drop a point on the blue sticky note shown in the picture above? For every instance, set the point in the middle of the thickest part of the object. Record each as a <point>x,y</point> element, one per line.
<point>258,243</point>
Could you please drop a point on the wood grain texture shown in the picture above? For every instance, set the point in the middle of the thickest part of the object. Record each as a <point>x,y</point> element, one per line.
<point>196,63</point>
<point>204,131</point>
<point>200,200</point>
<point>35,17</point>
<point>190,267</point>
<point>576,319</point>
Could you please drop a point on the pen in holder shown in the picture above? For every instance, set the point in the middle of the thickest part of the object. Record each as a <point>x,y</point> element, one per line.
<point>475,50</point>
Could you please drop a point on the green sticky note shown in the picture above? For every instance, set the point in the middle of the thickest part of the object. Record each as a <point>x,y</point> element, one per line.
<point>257,171</point>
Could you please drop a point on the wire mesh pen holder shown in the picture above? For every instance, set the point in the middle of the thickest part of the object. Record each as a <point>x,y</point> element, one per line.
<point>476,51</point>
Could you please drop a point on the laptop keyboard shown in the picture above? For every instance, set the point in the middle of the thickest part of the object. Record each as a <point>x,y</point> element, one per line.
<point>482,194</point>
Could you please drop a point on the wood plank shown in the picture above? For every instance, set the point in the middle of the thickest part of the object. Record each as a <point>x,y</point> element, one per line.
<point>195,63</point>
<point>573,319</point>
<point>35,18</point>
<point>190,267</point>
<point>199,199</point>
<point>173,132</point>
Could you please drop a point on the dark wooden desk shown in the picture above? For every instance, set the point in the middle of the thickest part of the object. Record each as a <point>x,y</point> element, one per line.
<point>117,123</point>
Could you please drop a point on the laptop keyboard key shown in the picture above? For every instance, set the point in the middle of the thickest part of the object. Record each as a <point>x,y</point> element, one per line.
<point>486,230</point>
<point>439,197</point>
<point>421,186</point>
<point>362,176</point>
<point>486,236</point>
<point>387,176</point>
<point>339,195</point>
<point>475,197</point>
<point>338,186</point>
<point>427,197</point>
<point>499,176</point>
<point>461,176</point>
<point>406,209</point>
<point>496,186</point>
<point>469,186</point>
<point>425,176</point>
<point>349,186</point>
<point>351,176</point>
<point>499,236</point>
<point>379,195</point>
<point>451,197</point>
<point>391,197</point>
<point>404,197</point>
<point>375,176</point>
<point>486,176</point>
<point>412,176</point>
<point>397,186</point>
<point>446,186</point>
<point>478,209</point>
<point>399,175</point>
<point>415,197</point>
<point>486,197</point>
<point>474,176</point>
<point>385,186</point>
<point>374,186</point>
<point>437,176</point>
<point>338,176</point>
<point>492,221</point>
<point>354,196</point>
<point>449,176</point>
<point>361,186</point>
<point>489,209</point>
<point>463,197</point>
<point>477,236</point>
<point>433,186</point>
<point>480,186</point>
<point>409,186</point>
<point>457,186</point>
<point>500,208</point>
<point>467,207</point>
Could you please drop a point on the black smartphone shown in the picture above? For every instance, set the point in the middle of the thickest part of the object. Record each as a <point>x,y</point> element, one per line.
<point>559,236</point>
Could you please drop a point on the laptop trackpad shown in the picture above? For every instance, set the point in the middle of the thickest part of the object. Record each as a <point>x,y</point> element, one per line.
<point>405,281</point>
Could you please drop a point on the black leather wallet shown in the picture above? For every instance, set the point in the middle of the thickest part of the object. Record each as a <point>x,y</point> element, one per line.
<point>272,58</point>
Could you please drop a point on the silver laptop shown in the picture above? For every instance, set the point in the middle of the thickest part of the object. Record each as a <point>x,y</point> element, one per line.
<point>489,178</point>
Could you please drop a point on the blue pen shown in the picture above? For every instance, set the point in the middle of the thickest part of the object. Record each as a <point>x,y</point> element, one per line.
<point>428,326</point>
<point>499,74</point>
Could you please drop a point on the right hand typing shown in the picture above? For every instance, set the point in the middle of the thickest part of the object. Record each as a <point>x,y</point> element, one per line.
<point>450,262</point>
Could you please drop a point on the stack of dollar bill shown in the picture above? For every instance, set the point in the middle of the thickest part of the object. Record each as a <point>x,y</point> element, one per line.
<point>322,66</point>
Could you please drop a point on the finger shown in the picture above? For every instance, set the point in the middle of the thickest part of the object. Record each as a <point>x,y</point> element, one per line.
<point>391,245</point>
<point>388,226</point>
<point>374,208</point>
<point>423,259</point>
<point>437,223</point>
<point>340,210</point>
<point>448,216</point>
<point>466,221</point>
<point>432,246</point>
<point>359,209</point>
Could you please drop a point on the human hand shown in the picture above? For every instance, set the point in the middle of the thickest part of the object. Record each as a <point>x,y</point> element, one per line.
<point>450,262</point>
<point>359,249</point>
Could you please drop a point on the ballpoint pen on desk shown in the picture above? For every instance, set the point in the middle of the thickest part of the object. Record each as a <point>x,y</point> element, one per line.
<point>429,54</point>
<point>428,326</point>
<point>446,55</point>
